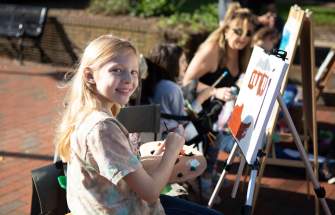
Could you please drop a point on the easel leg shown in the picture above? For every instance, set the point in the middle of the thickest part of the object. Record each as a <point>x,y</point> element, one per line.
<point>262,168</point>
<point>238,177</point>
<point>319,191</point>
<point>225,169</point>
<point>250,193</point>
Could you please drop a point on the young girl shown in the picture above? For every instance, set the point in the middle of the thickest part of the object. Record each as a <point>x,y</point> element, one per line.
<point>267,38</point>
<point>166,63</point>
<point>104,175</point>
<point>166,67</point>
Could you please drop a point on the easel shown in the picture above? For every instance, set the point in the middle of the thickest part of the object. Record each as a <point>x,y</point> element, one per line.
<point>301,24</point>
<point>309,106</point>
<point>254,166</point>
<point>319,191</point>
<point>327,68</point>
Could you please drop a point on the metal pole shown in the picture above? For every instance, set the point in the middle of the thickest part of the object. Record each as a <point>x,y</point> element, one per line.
<point>220,182</point>
<point>238,177</point>
<point>250,193</point>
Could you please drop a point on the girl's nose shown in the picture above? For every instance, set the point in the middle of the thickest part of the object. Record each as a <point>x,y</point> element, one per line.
<point>127,77</point>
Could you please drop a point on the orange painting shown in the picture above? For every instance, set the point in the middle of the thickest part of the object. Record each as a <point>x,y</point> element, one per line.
<point>237,127</point>
<point>255,101</point>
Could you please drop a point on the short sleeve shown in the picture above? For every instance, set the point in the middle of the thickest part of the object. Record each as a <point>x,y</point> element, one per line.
<point>111,150</point>
<point>169,95</point>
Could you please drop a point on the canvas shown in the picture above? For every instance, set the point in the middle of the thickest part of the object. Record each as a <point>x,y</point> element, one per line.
<point>254,104</point>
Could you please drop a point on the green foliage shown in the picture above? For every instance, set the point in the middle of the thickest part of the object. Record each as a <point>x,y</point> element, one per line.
<point>148,8</point>
<point>188,15</point>
<point>204,18</point>
<point>321,15</point>
<point>110,7</point>
<point>194,14</point>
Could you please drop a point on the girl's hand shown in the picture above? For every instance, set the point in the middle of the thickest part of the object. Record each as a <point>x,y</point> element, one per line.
<point>179,130</point>
<point>224,94</point>
<point>175,140</point>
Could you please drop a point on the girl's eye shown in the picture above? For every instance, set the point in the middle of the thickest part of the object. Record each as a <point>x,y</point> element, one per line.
<point>134,72</point>
<point>117,70</point>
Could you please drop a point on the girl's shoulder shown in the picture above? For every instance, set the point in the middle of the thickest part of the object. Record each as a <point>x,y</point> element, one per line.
<point>167,87</point>
<point>101,120</point>
<point>167,84</point>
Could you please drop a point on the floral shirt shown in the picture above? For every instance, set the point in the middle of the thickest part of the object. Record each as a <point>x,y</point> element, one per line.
<point>101,155</point>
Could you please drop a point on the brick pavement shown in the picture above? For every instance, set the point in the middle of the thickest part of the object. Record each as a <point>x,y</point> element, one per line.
<point>30,97</point>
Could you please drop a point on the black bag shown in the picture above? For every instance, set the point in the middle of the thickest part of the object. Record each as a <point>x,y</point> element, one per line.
<point>207,117</point>
<point>48,197</point>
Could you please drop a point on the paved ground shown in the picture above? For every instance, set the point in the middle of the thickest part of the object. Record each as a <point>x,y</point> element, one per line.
<point>29,98</point>
<point>30,95</point>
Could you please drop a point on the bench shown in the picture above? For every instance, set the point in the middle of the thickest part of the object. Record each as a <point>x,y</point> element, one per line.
<point>19,22</point>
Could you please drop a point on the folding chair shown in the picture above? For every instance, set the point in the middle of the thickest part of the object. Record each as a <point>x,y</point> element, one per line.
<point>48,197</point>
<point>141,118</point>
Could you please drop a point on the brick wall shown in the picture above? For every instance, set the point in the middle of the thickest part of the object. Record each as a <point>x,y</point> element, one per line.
<point>65,37</point>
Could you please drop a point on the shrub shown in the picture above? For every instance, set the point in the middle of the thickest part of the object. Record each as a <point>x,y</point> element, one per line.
<point>204,18</point>
<point>110,7</point>
<point>148,8</point>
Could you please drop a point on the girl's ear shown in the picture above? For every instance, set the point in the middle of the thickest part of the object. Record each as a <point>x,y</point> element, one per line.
<point>88,74</point>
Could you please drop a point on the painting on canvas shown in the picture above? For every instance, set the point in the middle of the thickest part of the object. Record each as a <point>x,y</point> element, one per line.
<point>258,93</point>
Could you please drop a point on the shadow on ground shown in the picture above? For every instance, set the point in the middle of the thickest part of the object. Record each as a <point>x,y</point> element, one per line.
<point>64,4</point>
<point>57,75</point>
<point>271,201</point>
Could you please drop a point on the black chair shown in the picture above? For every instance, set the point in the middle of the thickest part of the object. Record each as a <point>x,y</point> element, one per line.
<point>47,196</point>
<point>141,118</point>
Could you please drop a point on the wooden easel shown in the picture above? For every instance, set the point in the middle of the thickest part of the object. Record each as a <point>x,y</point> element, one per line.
<point>254,106</point>
<point>302,29</point>
<point>326,70</point>
<point>309,105</point>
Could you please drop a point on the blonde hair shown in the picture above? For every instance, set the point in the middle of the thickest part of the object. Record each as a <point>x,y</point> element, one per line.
<point>234,11</point>
<point>81,99</point>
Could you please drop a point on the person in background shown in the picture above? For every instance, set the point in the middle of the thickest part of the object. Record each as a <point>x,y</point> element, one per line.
<point>226,50</point>
<point>267,38</point>
<point>104,174</point>
<point>166,67</point>
<point>265,10</point>
<point>166,63</point>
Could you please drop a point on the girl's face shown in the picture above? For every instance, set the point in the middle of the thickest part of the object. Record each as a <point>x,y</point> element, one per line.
<point>117,80</point>
<point>239,33</point>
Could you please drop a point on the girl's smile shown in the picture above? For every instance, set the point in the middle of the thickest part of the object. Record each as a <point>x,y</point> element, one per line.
<point>117,80</point>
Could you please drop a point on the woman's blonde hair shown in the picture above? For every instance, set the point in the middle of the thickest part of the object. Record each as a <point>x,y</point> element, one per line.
<point>81,99</point>
<point>234,11</point>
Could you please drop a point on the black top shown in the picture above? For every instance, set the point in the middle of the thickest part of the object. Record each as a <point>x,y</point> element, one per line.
<point>210,78</point>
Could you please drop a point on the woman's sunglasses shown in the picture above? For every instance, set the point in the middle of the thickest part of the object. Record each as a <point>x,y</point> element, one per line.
<point>239,32</point>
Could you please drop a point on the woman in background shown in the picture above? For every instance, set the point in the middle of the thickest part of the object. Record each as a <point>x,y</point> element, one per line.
<point>226,51</point>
